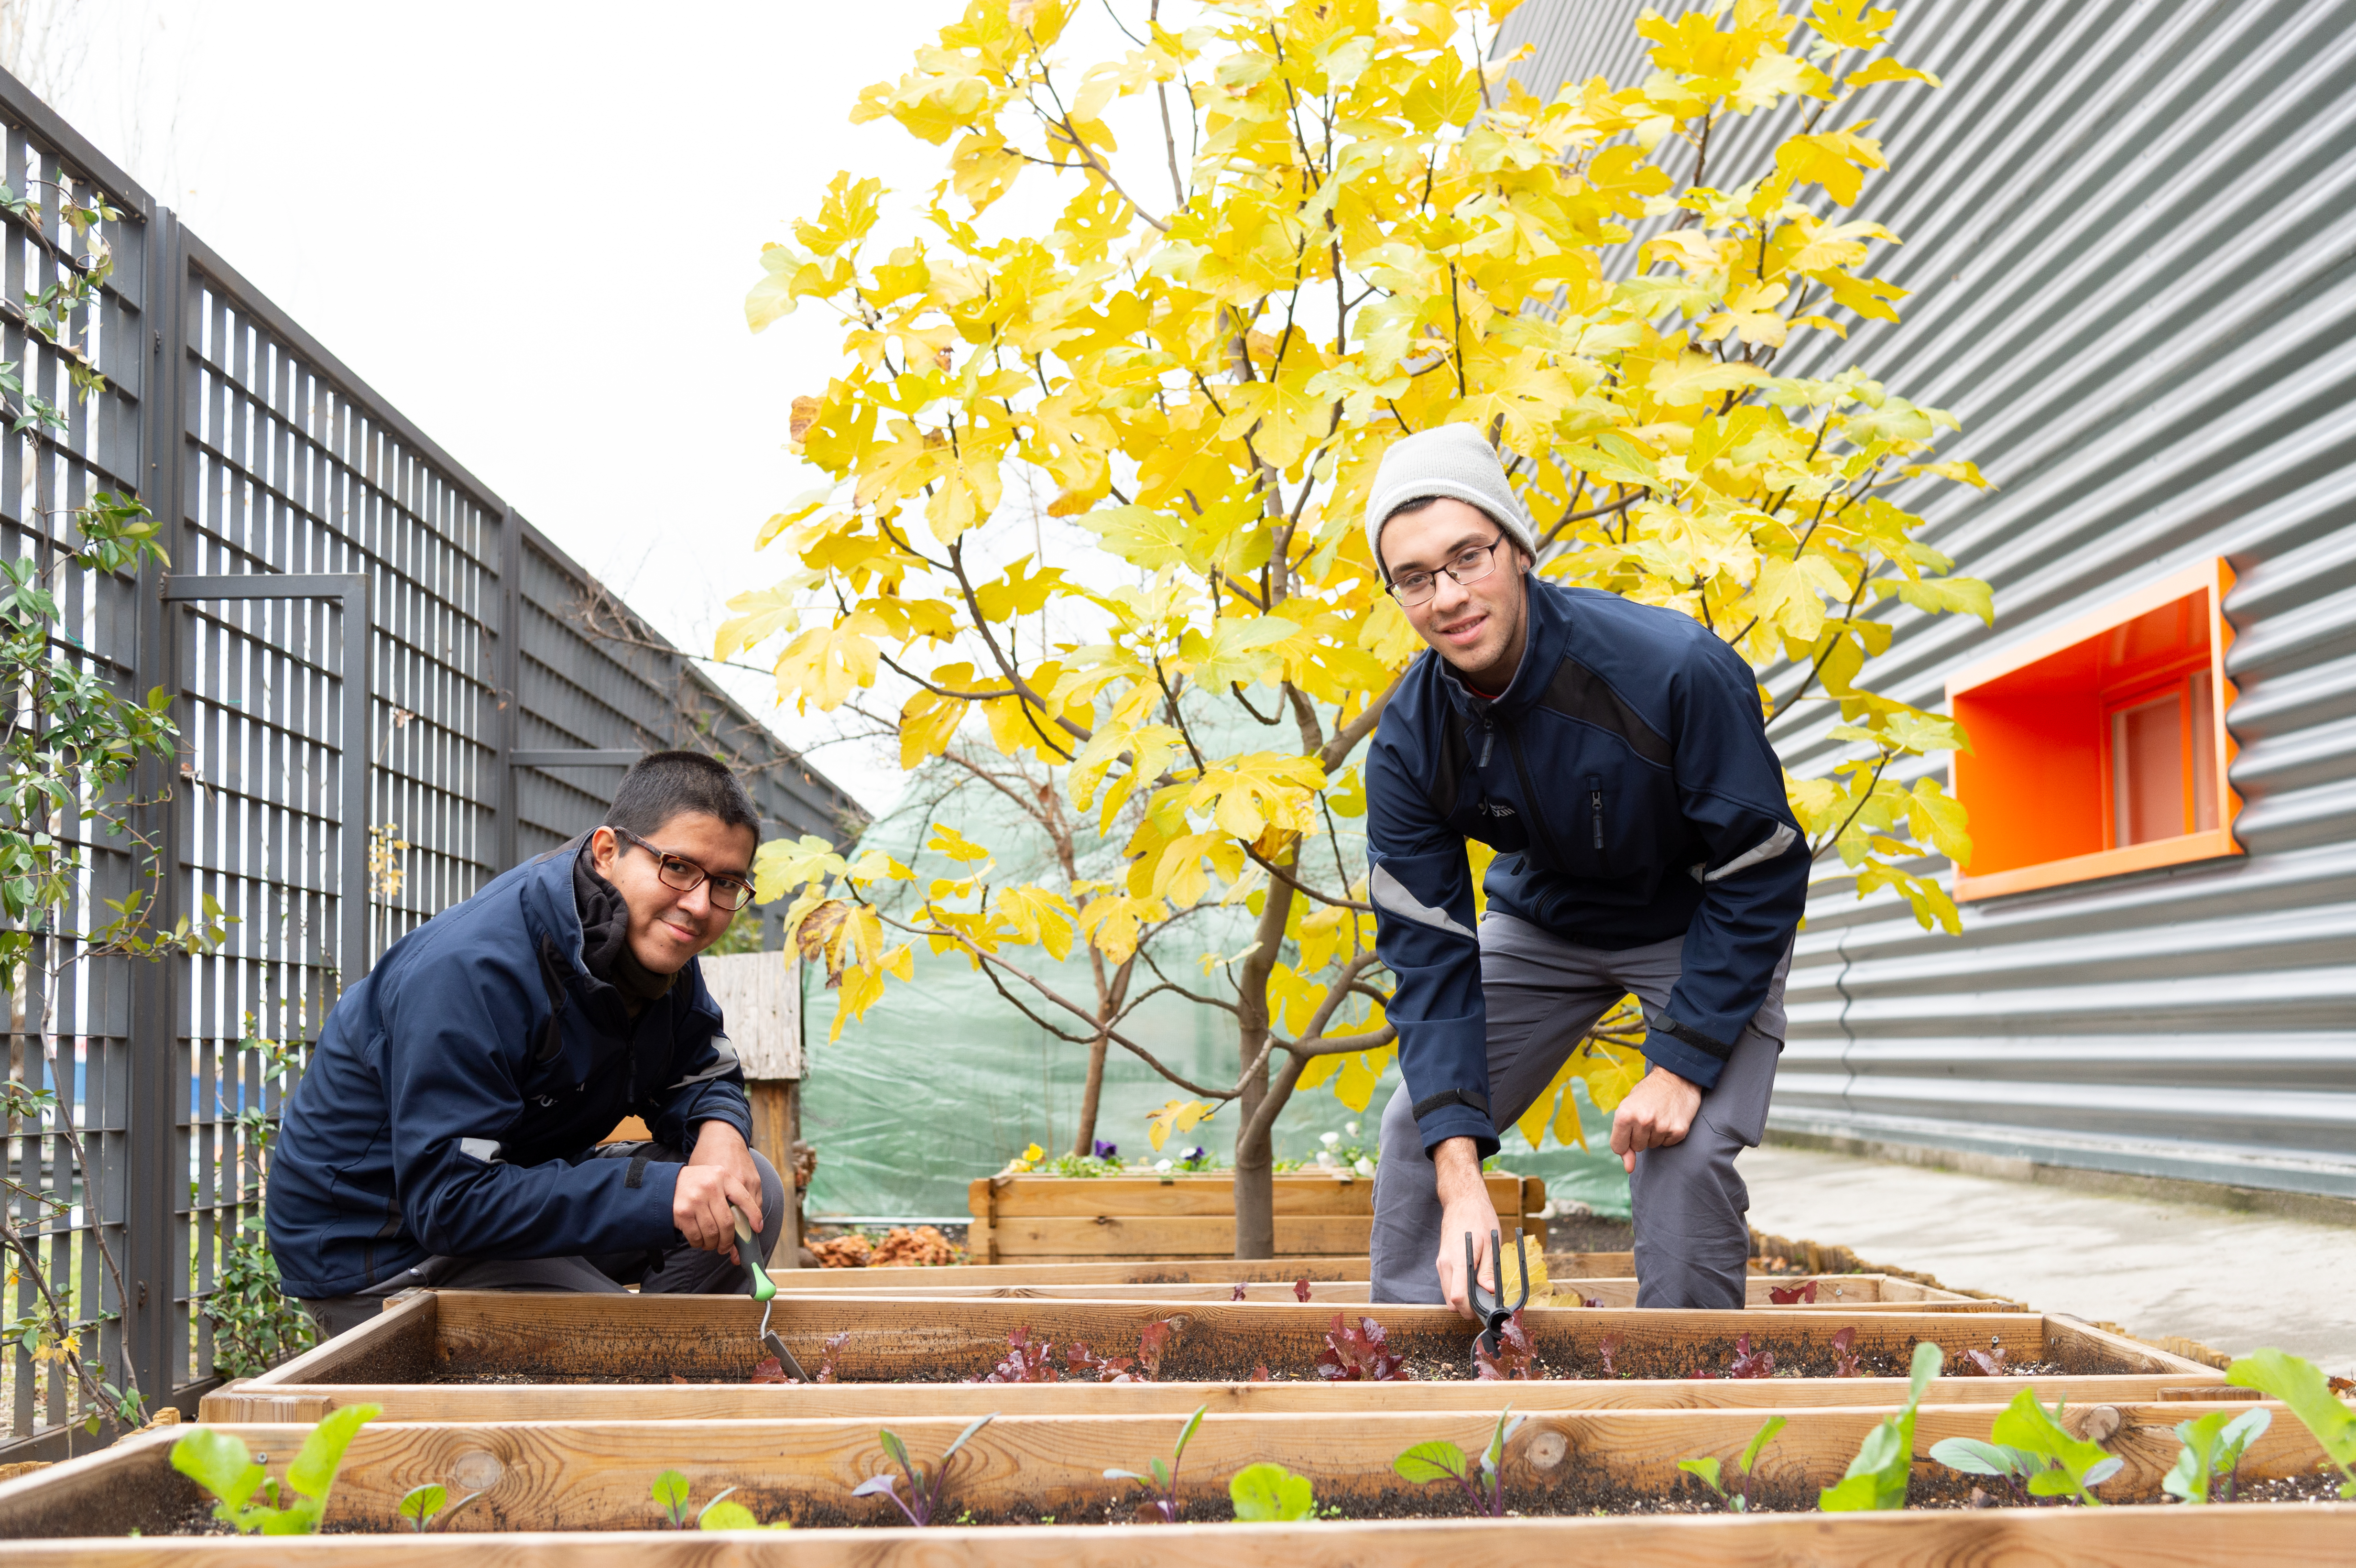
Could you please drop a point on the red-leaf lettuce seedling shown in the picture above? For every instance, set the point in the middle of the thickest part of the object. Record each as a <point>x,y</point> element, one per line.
<point>925,1488</point>
<point>1707,1468</point>
<point>1603,1349</point>
<point>1514,1356</point>
<point>2301,1385</point>
<point>1164,1478</point>
<point>1876,1478</point>
<point>1357,1355</point>
<point>1026,1360</point>
<point>1845,1357</point>
<point>223,1466</point>
<point>2213,1445</point>
<point>1442,1460</point>
<point>1270,1494</point>
<point>1785,1295</point>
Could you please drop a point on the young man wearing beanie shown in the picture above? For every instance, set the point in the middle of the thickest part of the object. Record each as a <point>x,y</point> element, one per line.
<point>1614,756</point>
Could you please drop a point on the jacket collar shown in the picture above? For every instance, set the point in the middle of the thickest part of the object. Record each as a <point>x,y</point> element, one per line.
<point>1548,630</point>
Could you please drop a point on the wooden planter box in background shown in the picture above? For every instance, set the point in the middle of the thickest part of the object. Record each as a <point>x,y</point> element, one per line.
<point>1033,1219</point>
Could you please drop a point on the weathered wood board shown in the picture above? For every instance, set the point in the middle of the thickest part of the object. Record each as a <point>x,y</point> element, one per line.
<point>1836,1293</point>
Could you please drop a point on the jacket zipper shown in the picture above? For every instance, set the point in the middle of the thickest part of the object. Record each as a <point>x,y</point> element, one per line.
<point>1595,805</point>
<point>1538,828</point>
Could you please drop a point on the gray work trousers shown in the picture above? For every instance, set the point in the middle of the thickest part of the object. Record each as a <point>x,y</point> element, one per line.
<point>678,1270</point>
<point>1693,1239</point>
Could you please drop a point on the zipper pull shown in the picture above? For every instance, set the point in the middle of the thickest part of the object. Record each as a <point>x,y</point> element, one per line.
<point>1488,742</point>
<point>1595,805</point>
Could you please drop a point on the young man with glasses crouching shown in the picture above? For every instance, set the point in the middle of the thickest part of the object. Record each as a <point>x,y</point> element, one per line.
<point>1614,756</point>
<point>445,1133</point>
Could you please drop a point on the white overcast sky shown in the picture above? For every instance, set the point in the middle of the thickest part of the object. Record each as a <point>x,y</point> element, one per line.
<point>530,227</point>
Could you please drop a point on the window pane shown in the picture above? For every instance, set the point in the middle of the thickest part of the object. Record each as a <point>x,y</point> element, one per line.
<point>2147,768</point>
<point>2204,755</point>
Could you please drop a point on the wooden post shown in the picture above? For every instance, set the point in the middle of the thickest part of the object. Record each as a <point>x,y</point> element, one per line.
<point>760,998</point>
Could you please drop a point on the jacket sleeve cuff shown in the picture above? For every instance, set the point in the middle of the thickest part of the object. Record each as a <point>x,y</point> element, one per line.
<point>1687,1062</point>
<point>1457,1121</point>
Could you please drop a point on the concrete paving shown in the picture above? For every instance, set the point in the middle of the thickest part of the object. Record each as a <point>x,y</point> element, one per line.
<point>2232,1281</point>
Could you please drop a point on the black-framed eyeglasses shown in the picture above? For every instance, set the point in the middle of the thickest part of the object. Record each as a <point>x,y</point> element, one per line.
<point>1470,564</point>
<point>731,893</point>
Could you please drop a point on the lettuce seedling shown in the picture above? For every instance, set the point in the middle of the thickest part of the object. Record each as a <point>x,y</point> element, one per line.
<point>925,1488</point>
<point>1238,1296</point>
<point>1088,1368</point>
<point>2301,1385</point>
<point>2213,1444</point>
<point>1845,1357</point>
<point>421,1506</point>
<point>1357,1355</point>
<point>1153,1341</point>
<point>1270,1494</point>
<point>1748,1363</point>
<point>1707,1468</point>
<point>1876,1478</point>
<point>1514,1356</point>
<point>1603,1349</point>
<point>1164,1478</point>
<point>1301,1290</point>
<point>1987,1363</point>
<point>1785,1295</point>
<point>1444,1461</point>
<point>2067,1465</point>
<point>223,1466</point>
<point>1026,1360</point>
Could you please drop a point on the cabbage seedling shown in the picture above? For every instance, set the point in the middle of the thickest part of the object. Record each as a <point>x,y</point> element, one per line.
<point>2300,1385</point>
<point>421,1506</point>
<point>2069,1466</point>
<point>2213,1443</point>
<point>1270,1494</point>
<point>1876,1478</point>
<point>925,1488</point>
<point>1165,1478</point>
<point>1444,1461</point>
<point>1706,1467</point>
<point>223,1466</point>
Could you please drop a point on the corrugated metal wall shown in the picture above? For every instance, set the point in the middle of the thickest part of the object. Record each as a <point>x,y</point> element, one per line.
<point>2129,229</point>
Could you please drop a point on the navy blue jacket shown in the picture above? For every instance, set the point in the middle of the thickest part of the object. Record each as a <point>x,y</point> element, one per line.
<point>1625,781</point>
<point>456,1090</point>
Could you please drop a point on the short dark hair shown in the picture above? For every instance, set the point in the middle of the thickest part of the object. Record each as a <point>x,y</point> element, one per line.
<point>666,783</point>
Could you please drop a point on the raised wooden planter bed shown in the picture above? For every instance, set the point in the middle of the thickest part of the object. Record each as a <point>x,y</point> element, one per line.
<point>589,1476</point>
<point>1079,1219</point>
<point>603,1357</point>
<point>1834,1293</point>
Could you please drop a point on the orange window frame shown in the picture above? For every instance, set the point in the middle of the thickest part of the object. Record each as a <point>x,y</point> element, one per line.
<point>2038,798</point>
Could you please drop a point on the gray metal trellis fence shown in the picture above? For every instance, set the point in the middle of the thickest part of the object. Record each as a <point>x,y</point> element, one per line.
<point>390,687</point>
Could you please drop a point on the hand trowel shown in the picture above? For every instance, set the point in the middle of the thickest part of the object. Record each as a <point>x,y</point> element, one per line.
<point>765,1291</point>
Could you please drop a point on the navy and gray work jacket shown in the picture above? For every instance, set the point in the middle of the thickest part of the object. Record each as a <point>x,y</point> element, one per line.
<point>456,1091</point>
<point>1625,781</point>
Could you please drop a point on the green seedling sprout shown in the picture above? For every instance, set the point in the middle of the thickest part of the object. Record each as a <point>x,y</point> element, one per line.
<point>1270,1494</point>
<point>1707,1468</point>
<point>421,1506</point>
<point>1444,1461</point>
<point>670,1492</point>
<point>724,1512</point>
<point>924,1489</point>
<point>2302,1386</point>
<point>223,1466</point>
<point>2068,1467</point>
<point>1165,1478</point>
<point>2213,1445</point>
<point>1876,1478</point>
<point>2012,1465</point>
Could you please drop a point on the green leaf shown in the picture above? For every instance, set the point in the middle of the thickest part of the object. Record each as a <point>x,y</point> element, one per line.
<point>896,1450</point>
<point>314,1469</point>
<point>1853,1494</point>
<point>420,1504</point>
<point>1266,1493</point>
<point>1974,1457</point>
<point>971,1427</point>
<point>722,1513</point>
<point>220,1463</point>
<point>1760,1440</point>
<point>2027,1425</point>
<point>1707,1468</point>
<point>670,1493</point>
<point>1186,1436</point>
<point>1429,1462</point>
<point>2299,1384</point>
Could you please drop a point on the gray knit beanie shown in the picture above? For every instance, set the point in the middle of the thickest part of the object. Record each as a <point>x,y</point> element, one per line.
<point>1451,460</point>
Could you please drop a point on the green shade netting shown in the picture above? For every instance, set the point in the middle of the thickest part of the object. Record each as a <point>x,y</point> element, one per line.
<point>943,1081</point>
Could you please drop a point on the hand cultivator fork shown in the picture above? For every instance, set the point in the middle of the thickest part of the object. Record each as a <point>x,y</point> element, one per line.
<point>765,1291</point>
<point>1490,1307</point>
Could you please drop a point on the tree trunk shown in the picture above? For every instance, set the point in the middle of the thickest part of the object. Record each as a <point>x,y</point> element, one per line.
<point>1255,1161</point>
<point>1084,1141</point>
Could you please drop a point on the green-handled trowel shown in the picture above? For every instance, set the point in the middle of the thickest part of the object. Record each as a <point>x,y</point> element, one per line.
<point>765,1291</point>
